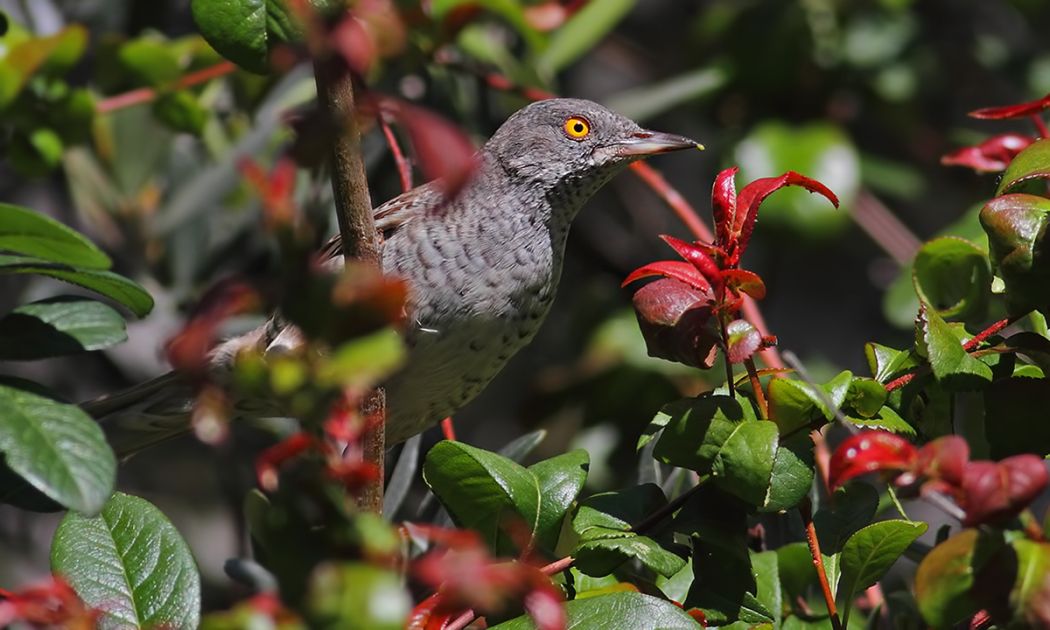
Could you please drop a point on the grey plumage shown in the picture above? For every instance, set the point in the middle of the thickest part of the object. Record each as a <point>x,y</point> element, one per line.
<point>482,268</point>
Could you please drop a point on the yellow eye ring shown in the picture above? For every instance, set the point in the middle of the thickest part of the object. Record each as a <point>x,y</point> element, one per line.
<point>577,128</point>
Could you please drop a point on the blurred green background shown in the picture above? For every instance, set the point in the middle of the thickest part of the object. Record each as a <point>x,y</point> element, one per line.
<point>864,96</point>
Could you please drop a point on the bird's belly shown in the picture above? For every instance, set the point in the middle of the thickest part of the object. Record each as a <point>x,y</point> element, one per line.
<point>448,366</point>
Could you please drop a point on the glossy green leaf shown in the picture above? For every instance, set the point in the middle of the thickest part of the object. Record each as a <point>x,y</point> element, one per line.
<point>581,32</point>
<point>56,447</point>
<point>131,563</point>
<point>767,580</point>
<point>719,436</point>
<point>942,347</point>
<point>886,363</point>
<point>486,491</point>
<point>817,150</point>
<point>616,611</point>
<point>865,396</point>
<point>870,552</point>
<point>59,326</point>
<point>604,525</point>
<point>107,283</point>
<point>945,579</point>
<point>795,568</point>
<point>1016,225</point>
<point>794,404</point>
<point>1029,592</point>
<point>244,31</point>
<point>792,474</point>
<point>24,231</point>
<point>953,276</point>
<point>1031,163</point>
<point>886,419</point>
<point>847,510</point>
<point>356,596</point>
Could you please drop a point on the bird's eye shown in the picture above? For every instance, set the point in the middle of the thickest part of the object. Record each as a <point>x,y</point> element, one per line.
<point>577,128</point>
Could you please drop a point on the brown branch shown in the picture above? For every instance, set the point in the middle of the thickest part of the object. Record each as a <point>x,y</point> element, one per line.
<point>806,510</point>
<point>335,95</point>
<point>146,95</point>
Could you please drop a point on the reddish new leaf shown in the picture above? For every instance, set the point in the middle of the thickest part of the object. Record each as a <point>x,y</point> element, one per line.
<point>995,492</point>
<point>752,196</point>
<point>52,604</point>
<point>696,256</point>
<point>1019,110</point>
<point>744,281</point>
<point>944,459</point>
<point>723,205</point>
<point>442,150</point>
<point>674,319</point>
<point>681,271</point>
<point>992,155</point>
<point>870,451</point>
<point>743,341</point>
<point>544,604</point>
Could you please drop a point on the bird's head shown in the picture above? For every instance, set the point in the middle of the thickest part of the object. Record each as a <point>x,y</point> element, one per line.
<point>564,138</point>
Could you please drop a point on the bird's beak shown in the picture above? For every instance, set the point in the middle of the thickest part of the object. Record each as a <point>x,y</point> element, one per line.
<point>643,143</point>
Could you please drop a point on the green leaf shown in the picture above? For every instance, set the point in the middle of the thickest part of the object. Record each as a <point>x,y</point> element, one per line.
<point>847,510</point>
<point>180,111</point>
<point>795,404</point>
<point>105,283</point>
<point>59,326</point>
<point>886,419</point>
<point>363,361</point>
<point>796,569</point>
<point>616,611</point>
<point>942,347</point>
<point>1032,163</point>
<point>55,447</point>
<point>131,563</point>
<point>1017,225</point>
<point>604,524</point>
<point>865,396</point>
<point>30,233</point>
<point>945,579</point>
<point>52,54</point>
<point>560,480</point>
<point>870,552</point>
<point>953,276</point>
<point>792,474</point>
<point>483,491</point>
<point>1028,595</point>
<point>151,60</point>
<point>767,579</point>
<point>509,10</point>
<point>817,150</point>
<point>244,31</point>
<point>719,436</point>
<point>356,596</point>
<point>580,33</point>
<point>643,103</point>
<point>885,362</point>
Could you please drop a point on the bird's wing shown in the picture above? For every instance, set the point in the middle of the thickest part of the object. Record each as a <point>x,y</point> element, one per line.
<point>391,216</point>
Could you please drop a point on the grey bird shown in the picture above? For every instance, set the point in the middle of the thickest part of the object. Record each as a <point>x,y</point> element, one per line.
<point>482,268</point>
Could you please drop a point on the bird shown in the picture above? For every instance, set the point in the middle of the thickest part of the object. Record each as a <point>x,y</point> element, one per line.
<point>482,268</point>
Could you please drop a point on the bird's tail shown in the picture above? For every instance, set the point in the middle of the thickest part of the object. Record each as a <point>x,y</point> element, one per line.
<point>144,415</point>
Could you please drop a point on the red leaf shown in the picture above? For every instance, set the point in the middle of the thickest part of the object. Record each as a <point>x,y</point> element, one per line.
<point>52,604</point>
<point>268,461</point>
<point>752,196</point>
<point>696,256</point>
<point>674,319</point>
<point>744,281</point>
<point>944,459</point>
<point>1019,110</point>
<point>723,205</point>
<point>992,155</point>
<point>275,189</point>
<point>743,340</point>
<point>188,350</point>
<point>544,605</point>
<point>994,492</point>
<point>681,271</point>
<point>442,150</point>
<point>869,451</point>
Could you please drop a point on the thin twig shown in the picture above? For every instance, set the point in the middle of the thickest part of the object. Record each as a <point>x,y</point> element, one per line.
<point>674,200</point>
<point>404,168</point>
<point>756,384</point>
<point>335,94</point>
<point>805,509</point>
<point>462,621</point>
<point>1040,125</point>
<point>448,429</point>
<point>146,95</point>
<point>558,565</point>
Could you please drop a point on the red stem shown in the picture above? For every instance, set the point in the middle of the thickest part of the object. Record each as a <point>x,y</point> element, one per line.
<point>756,384</point>
<point>969,346</point>
<point>404,169</point>
<point>682,208</point>
<point>146,95</point>
<point>818,562</point>
<point>448,429</point>
<point>1040,124</point>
